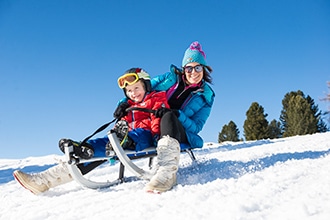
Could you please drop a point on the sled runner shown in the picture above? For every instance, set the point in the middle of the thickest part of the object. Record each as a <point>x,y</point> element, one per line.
<point>79,167</point>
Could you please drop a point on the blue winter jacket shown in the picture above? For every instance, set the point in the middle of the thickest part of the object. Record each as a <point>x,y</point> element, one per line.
<point>194,111</point>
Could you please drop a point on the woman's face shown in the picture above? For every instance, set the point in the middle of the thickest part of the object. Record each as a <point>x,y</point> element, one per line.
<point>194,73</point>
<point>136,91</point>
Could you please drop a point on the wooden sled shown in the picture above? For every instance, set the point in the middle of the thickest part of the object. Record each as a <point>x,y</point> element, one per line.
<point>79,167</point>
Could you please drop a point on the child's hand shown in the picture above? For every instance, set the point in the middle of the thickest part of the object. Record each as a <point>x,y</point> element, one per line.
<point>121,110</point>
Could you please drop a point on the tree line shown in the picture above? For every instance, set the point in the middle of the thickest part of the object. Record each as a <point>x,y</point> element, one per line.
<point>299,116</point>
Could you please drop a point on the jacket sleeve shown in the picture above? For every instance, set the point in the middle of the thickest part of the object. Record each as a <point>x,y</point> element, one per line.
<point>165,81</point>
<point>195,123</point>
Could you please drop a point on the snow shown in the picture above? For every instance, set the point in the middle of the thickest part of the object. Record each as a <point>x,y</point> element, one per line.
<point>267,179</point>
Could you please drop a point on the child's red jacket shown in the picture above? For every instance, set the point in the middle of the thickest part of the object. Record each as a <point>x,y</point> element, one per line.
<point>139,119</point>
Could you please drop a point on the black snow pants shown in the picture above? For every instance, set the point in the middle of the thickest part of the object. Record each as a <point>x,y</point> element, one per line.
<point>170,125</point>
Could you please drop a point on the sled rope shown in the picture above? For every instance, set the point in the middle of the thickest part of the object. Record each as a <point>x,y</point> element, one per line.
<point>97,131</point>
<point>107,124</point>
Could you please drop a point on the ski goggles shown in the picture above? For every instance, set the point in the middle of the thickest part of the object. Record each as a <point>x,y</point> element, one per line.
<point>127,79</point>
<point>189,69</point>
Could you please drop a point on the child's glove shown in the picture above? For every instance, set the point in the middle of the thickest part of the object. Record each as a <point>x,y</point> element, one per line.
<point>121,110</point>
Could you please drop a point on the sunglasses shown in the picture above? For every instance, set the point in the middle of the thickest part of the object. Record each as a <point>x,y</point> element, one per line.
<point>189,69</point>
<point>127,79</point>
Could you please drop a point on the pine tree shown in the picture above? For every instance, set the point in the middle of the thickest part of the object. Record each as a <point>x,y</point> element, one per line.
<point>322,126</point>
<point>301,120</point>
<point>256,124</point>
<point>299,115</point>
<point>229,132</point>
<point>285,104</point>
<point>274,129</point>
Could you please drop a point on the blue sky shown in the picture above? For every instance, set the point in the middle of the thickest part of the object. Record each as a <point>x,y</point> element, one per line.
<point>59,60</point>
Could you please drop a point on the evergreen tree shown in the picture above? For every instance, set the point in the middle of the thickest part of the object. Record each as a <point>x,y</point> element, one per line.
<point>322,126</point>
<point>256,124</point>
<point>229,132</point>
<point>299,115</point>
<point>274,129</point>
<point>285,104</point>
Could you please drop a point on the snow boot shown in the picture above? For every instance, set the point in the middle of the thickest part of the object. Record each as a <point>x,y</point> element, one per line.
<point>40,182</point>
<point>85,151</point>
<point>168,156</point>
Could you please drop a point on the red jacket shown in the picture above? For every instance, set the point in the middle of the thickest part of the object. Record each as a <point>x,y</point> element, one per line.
<point>146,120</point>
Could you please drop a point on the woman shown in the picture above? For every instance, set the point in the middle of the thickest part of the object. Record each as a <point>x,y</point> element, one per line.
<point>190,98</point>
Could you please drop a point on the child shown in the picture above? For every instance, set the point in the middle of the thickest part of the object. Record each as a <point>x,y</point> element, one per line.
<point>135,129</point>
<point>143,127</point>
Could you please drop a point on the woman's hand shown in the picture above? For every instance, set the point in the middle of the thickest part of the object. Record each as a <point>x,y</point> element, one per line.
<point>162,111</point>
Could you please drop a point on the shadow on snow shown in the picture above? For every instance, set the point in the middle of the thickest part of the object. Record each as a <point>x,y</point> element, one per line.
<point>212,169</point>
<point>230,146</point>
<point>209,170</point>
<point>7,174</point>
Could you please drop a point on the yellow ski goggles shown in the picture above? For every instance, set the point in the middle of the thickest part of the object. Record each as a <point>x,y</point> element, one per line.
<point>127,79</point>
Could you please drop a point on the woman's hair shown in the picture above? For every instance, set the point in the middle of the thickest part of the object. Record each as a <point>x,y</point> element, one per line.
<point>206,76</point>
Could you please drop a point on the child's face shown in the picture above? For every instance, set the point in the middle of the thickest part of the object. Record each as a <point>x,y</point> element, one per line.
<point>136,91</point>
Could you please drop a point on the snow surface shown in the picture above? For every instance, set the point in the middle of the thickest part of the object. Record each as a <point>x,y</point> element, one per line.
<point>285,178</point>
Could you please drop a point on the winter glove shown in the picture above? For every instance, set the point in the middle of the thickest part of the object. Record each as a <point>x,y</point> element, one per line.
<point>121,110</point>
<point>162,111</point>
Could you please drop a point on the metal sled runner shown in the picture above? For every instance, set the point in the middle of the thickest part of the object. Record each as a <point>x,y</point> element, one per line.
<point>79,167</point>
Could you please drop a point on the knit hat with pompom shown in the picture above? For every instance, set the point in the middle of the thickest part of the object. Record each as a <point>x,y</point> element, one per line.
<point>194,53</point>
